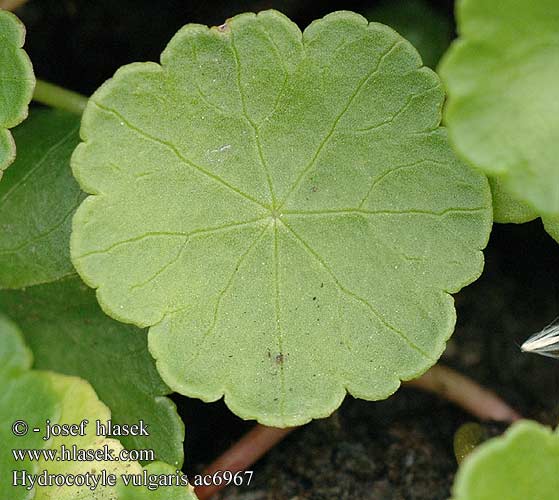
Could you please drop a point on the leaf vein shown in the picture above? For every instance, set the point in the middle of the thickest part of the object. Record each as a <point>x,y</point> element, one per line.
<point>251,123</point>
<point>279,332</point>
<point>391,171</point>
<point>332,130</point>
<point>358,298</point>
<point>182,234</point>
<point>359,211</point>
<point>179,155</point>
<point>38,165</point>
<point>203,96</point>
<point>222,293</point>
<point>45,234</point>
<point>391,119</point>
<point>285,73</point>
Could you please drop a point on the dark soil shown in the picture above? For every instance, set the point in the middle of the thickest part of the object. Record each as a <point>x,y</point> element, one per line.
<point>400,448</point>
<point>393,450</point>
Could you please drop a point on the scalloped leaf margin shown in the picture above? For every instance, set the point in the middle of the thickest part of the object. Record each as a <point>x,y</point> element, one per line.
<point>17,83</point>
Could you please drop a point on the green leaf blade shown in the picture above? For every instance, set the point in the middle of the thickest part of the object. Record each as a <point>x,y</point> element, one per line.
<point>14,355</point>
<point>16,84</point>
<point>256,226</point>
<point>506,207</point>
<point>68,333</point>
<point>38,196</point>
<point>502,110</point>
<point>37,397</point>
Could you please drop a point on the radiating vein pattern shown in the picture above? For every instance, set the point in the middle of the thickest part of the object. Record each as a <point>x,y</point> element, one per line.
<point>283,211</point>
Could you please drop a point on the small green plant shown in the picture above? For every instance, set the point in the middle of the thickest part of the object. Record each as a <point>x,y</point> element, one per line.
<point>272,216</point>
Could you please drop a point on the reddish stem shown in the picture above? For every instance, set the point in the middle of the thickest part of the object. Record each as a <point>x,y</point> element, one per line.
<point>440,380</point>
<point>243,454</point>
<point>466,393</point>
<point>11,4</point>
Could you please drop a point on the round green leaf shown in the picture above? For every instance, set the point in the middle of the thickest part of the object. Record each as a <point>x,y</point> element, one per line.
<point>282,209</point>
<point>522,464</point>
<point>503,99</point>
<point>38,196</point>
<point>16,83</point>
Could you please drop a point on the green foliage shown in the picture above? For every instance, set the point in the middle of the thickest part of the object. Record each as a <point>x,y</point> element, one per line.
<point>501,76</point>
<point>16,83</point>
<point>522,464</point>
<point>286,215</point>
<point>15,357</point>
<point>508,209</point>
<point>60,318</point>
<point>77,401</point>
<point>38,196</point>
<point>551,225</point>
<point>24,393</point>
<point>282,209</point>
<point>69,333</point>
<point>37,396</point>
<point>424,27</point>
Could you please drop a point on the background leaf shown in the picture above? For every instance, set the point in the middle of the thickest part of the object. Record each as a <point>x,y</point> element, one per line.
<point>16,85</point>
<point>37,396</point>
<point>77,401</point>
<point>68,333</point>
<point>15,357</point>
<point>25,395</point>
<point>501,76</point>
<point>38,196</point>
<point>508,209</point>
<point>521,464</point>
<point>283,211</point>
